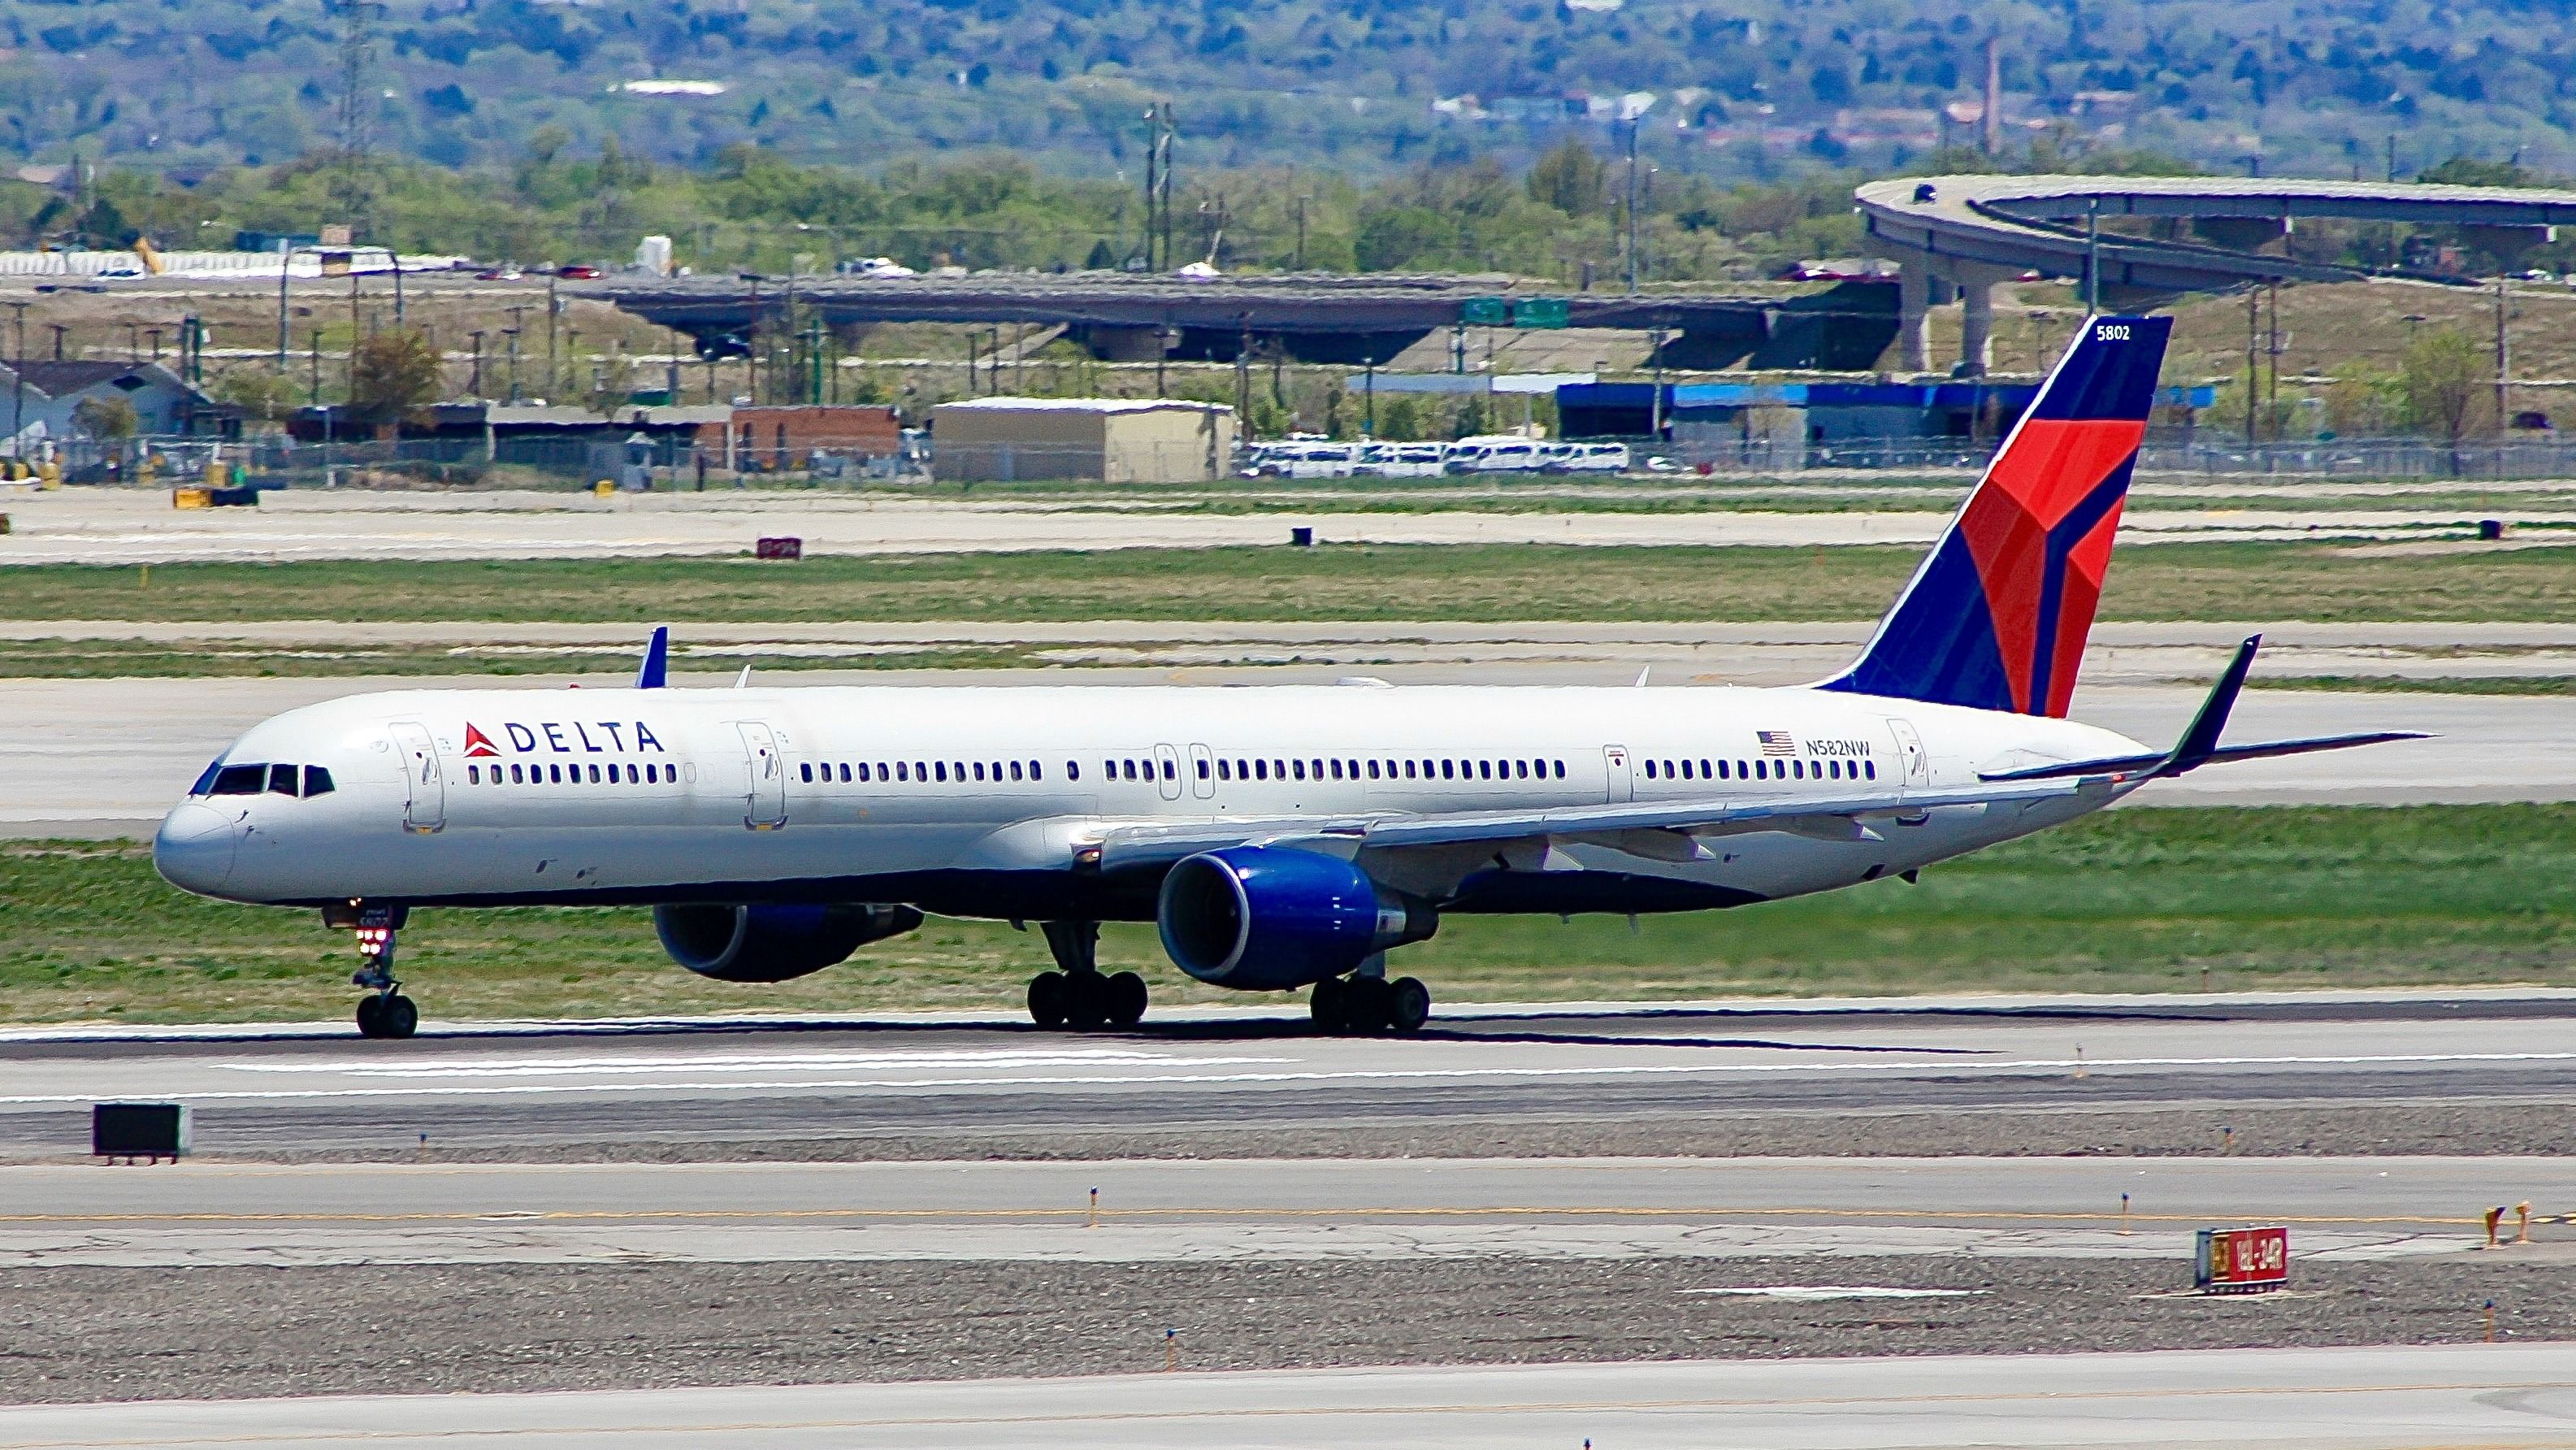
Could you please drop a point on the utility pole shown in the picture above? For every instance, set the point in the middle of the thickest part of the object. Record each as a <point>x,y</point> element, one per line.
<point>2504,361</point>
<point>2253,320</point>
<point>2272,352</point>
<point>18,380</point>
<point>518,324</point>
<point>476,386</point>
<point>553,310</point>
<point>1301,231</point>
<point>284,256</point>
<point>1631,259</point>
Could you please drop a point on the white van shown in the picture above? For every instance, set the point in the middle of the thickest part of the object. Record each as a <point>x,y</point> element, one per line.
<point>1401,460</point>
<point>1309,460</point>
<point>1587,458</point>
<point>1494,453</point>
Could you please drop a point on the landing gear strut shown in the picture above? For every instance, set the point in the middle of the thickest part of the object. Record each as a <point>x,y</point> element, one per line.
<point>1365,1003</point>
<point>1076,995</point>
<point>388,1013</point>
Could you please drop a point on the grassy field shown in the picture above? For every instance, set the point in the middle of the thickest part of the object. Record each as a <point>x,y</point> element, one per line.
<point>2257,582</point>
<point>2137,900</point>
<point>2429,684</point>
<point>96,659</point>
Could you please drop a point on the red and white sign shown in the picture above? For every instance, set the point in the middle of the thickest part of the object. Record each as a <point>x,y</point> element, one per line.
<point>2242,1260</point>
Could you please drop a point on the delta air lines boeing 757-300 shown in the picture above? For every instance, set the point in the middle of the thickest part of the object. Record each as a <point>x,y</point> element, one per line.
<point>1282,837</point>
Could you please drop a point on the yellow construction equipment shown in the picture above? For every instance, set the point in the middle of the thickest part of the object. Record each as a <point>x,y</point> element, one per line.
<point>150,256</point>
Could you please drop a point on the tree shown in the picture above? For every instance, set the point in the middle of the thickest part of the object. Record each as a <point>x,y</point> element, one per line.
<point>1404,236</point>
<point>2448,384</point>
<point>1569,178</point>
<point>391,374</point>
<point>106,419</point>
<point>261,394</point>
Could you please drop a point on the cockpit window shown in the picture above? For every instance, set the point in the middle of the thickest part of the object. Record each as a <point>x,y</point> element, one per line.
<point>281,780</point>
<point>240,780</point>
<point>206,782</point>
<point>317,781</point>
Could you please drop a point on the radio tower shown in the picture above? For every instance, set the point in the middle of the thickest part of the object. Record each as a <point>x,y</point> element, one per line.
<point>354,190</point>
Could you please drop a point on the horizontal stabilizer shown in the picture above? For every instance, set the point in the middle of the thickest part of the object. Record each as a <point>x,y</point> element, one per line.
<point>2266,750</point>
<point>2199,743</point>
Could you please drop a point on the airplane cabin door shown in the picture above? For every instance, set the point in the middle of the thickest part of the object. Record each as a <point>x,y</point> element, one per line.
<point>1623,786</point>
<point>426,809</point>
<point>1202,772</point>
<point>765,776</point>
<point>1909,752</point>
<point>1167,772</point>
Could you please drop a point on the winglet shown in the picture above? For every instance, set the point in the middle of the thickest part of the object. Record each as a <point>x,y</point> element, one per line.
<point>2200,742</point>
<point>654,671</point>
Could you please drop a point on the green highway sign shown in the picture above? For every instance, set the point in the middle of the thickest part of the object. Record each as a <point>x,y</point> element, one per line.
<point>1486,312</point>
<point>1539,312</point>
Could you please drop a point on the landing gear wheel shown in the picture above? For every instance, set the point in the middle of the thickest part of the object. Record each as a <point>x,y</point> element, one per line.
<point>1367,1004</point>
<point>1408,1006</point>
<point>401,1018</point>
<point>1086,1001</point>
<point>371,1016</point>
<point>1047,1000</point>
<point>1124,996</point>
<point>1327,1005</point>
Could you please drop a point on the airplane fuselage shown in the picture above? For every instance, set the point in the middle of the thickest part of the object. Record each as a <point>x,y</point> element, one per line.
<point>980,801</point>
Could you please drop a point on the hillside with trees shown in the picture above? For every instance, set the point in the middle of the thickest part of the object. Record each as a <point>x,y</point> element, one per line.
<point>1740,89</point>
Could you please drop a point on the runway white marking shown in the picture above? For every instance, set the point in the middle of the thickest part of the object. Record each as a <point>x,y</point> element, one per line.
<point>1947,1065</point>
<point>764,1062</point>
<point>1813,1293</point>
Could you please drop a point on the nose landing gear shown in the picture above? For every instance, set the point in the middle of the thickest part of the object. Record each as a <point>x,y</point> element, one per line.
<point>388,1013</point>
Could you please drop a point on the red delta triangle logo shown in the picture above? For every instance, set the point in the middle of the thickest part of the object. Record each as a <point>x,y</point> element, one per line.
<point>478,743</point>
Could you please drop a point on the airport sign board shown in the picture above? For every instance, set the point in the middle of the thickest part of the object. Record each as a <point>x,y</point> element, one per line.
<point>2241,1260</point>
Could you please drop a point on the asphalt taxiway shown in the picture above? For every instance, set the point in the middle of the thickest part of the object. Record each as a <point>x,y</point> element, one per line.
<point>2347,1399</point>
<point>260,1089</point>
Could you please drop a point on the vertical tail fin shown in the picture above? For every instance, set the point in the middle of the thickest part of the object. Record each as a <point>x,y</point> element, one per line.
<point>1995,618</point>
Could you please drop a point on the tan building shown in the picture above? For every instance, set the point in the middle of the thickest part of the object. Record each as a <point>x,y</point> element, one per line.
<point>1113,440</point>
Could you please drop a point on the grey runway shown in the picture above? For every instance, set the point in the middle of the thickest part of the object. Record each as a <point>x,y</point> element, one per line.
<point>109,757</point>
<point>2348,1399</point>
<point>1250,1209</point>
<point>297,1090</point>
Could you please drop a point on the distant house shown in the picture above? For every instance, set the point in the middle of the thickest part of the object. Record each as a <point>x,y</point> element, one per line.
<point>165,404</point>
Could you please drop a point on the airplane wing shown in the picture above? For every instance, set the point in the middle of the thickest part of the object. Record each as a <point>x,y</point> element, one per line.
<point>1660,828</point>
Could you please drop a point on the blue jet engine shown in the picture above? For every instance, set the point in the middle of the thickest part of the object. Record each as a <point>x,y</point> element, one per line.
<point>772,943</point>
<point>1271,918</point>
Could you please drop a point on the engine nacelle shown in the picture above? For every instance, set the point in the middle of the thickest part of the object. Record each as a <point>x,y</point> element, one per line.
<point>772,943</point>
<point>1269,918</point>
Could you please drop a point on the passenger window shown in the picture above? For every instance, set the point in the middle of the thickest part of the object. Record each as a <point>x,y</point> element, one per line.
<point>594,775</point>
<point>1686,770</point>
<point>1261,768</point>
<point>1171,770</point>
<point>1036,771</point>
<point>1408,770</point>
<point>939,771</point>
<point>1073,770</point>
<point>317,781</point>
<point>1015,769</point>
<point>806,772</point>
<point>1299,767</point>
<point>845,772</point>
<point>1224,771</point>
<point>1279,770</point>
<point>1869,769</point>
<point>473,775</point>
<point>979,770</point>
<point>1650,770</point>
<point>1372,770</point>
<point>554,774</point>
<point>1560,770</point>
<point>1319,770</point>
<point>1521,769</point>
<point>1721,770</point>
<point>1337,770</point>
<point>1448,770</point>
<point>921,771</point>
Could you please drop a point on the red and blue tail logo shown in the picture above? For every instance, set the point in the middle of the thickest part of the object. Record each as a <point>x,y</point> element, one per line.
<point>1996,617</point>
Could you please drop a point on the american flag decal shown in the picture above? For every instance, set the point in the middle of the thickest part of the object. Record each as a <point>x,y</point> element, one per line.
<point>1776,742</point>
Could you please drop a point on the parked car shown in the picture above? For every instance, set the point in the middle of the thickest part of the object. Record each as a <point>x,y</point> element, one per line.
<point>1494,453</point>
<point>1306,460</point>
<point>1584,457</point>
<point>577,272</point>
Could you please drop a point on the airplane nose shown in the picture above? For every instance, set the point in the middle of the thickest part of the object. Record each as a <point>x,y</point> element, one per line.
<point>194,849</point>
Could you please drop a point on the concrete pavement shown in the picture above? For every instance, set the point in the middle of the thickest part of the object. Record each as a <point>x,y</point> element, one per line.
<point>2399,1398</point>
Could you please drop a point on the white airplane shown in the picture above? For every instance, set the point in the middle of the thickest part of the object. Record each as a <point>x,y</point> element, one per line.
<point>1283,837</point>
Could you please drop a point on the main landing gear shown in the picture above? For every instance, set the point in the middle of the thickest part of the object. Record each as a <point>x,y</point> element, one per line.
<point>1366,1003</point>
<point>388,1013</point>
<point>1077,996</point>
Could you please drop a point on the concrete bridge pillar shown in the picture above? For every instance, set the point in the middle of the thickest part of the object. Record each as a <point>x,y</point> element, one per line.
<point>1914,317</point>
<point>1976,328</point>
